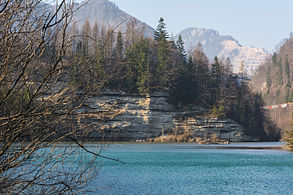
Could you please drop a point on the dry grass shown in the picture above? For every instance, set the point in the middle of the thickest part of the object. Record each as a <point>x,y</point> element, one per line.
<point>186,138</point>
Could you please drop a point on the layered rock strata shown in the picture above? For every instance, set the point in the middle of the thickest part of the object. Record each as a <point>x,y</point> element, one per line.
<point>120,117</point>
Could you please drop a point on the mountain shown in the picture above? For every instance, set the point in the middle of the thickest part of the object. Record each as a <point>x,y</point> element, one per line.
<point>107,13</point>
<point>215,44</point>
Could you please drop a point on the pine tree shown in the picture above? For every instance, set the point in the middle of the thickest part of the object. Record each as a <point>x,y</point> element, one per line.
<point>274,59</point>
<point>184,86</point>
<point>163,54</point>
<point>202,74</point>
<point>116,63</point>
<point>216,71</point>
<point>215,80</point>
<point>119,46</point>
<point>142,66</point>
<point>161,32</point>
<point>287,72</point>
<point>180,47</point>
<point>138,62</point>
<point>100,74</point>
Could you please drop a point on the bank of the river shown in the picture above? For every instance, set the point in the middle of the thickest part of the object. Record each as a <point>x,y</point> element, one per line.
<point>231,145</point>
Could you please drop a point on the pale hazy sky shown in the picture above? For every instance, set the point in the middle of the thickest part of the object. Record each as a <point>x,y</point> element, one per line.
<point>258,23</point>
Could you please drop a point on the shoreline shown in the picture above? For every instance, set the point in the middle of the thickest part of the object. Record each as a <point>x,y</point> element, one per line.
<point>186,145</point>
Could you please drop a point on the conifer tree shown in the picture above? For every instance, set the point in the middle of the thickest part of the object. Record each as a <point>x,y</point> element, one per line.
<point>119,46</point>
<point>161,33</point>
<point>163,58</point>
<point>215,71</point>
<point>200,64</point>
<point>138,62</point>
<point>100,74</point>
<point>287,72</point>
<point>181,49</point>
<point>142,66</point>
<point>184,86</point>
<point>116,63</point>
<point>274,59</point>
<point>180,46</point>
<point>215,80</point>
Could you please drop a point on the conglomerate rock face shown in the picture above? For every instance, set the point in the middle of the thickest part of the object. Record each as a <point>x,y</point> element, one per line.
<point>131,118</point>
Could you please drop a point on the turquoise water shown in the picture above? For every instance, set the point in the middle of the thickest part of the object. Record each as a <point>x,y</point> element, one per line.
<point>185,169</point>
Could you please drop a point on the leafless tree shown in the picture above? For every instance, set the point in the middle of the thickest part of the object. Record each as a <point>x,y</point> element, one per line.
<point>37,102</point>
<point>133,32</point>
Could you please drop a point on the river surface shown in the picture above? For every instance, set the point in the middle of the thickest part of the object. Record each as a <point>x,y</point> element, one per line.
<point>193,169</point>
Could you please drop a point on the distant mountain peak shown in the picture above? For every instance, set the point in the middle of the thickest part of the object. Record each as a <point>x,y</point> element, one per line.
<point>225,46</point>
<point>107,13</point>
<point>201,31</point>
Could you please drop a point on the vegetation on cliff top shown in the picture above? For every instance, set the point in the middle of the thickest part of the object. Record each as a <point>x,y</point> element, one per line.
<point>134,64</point>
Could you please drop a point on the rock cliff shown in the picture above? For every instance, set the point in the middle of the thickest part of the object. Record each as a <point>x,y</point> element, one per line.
<point>141,117</point>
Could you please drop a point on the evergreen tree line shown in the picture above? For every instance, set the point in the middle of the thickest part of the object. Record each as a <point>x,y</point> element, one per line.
<point>135,64</point>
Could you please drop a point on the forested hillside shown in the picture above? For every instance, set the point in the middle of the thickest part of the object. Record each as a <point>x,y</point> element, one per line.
<point>274,77</point>
<point>134,64</point>
<point>274,82</point>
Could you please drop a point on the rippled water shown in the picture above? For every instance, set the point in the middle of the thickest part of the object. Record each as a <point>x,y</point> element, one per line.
<point>186,169</point>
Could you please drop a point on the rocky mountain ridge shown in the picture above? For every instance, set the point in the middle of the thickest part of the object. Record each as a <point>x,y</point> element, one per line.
<point>215,44</point>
